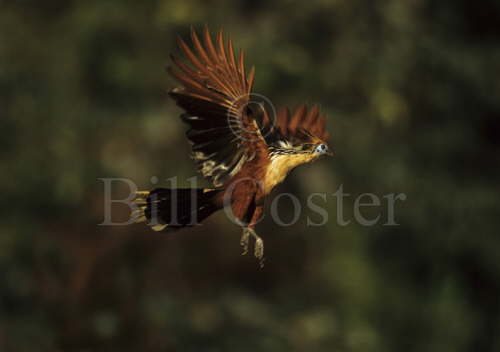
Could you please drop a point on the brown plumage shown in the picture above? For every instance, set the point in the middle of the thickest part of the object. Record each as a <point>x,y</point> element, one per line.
<point>243,150</point>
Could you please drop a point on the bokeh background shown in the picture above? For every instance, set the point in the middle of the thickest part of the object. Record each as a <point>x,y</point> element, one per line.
<point>412,90</point>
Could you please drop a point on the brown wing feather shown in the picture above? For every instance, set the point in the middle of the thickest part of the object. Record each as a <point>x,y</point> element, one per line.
<point>292,125</point>
<point>214,93</point>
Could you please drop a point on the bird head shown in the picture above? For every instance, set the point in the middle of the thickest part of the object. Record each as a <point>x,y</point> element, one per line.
<point>314,146</point>
<point>314,150</point>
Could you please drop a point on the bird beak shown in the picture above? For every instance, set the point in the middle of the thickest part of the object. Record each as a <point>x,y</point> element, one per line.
<point>329,152</point>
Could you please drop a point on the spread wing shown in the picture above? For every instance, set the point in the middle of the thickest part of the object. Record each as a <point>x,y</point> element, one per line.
<point>215,93</point>
<point>299,125</point>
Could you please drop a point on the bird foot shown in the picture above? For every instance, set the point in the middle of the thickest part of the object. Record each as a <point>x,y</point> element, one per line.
<point>245,237</point>
<point>258,247</point>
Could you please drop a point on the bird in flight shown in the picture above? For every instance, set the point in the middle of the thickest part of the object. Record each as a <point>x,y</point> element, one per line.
<point>243,147</point>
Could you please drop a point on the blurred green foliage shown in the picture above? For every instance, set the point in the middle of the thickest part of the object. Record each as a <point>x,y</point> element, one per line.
<point>412,91</point>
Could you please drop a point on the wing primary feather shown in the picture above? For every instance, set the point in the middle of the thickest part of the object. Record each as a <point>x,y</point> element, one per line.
<point>197,87</point>
<point>232,61</point>
<point>250,79</point>
<point>311,118</point>
<point>296,118</point>
<point>241,68</point>
<point>220,46</point>
<point>189,54</point>
<point>199,47</point>
<point>184,68</point>
<point>209,44</point>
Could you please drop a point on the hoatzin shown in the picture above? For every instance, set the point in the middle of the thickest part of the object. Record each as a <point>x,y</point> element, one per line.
<point>241,147</point>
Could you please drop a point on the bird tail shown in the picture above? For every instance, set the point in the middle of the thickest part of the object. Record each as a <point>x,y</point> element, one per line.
<point>174,208</point>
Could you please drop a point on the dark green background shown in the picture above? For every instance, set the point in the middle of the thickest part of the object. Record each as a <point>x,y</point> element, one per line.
<point>412,91</point>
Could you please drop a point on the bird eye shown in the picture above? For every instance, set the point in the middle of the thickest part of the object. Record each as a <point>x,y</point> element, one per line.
<point>320,149</point>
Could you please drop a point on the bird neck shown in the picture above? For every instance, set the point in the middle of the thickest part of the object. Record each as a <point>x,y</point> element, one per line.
<point>281,164</point>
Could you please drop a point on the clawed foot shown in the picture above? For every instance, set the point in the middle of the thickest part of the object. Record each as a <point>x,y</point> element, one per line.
<point>244,241</point>
<point>259,244</point>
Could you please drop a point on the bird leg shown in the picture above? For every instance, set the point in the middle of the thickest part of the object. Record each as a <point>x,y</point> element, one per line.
<point>245,236</point>
<point>258,247</point>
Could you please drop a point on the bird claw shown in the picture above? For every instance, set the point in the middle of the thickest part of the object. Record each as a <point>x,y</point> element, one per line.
<point>258,247</point>
<point>244,241</point>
